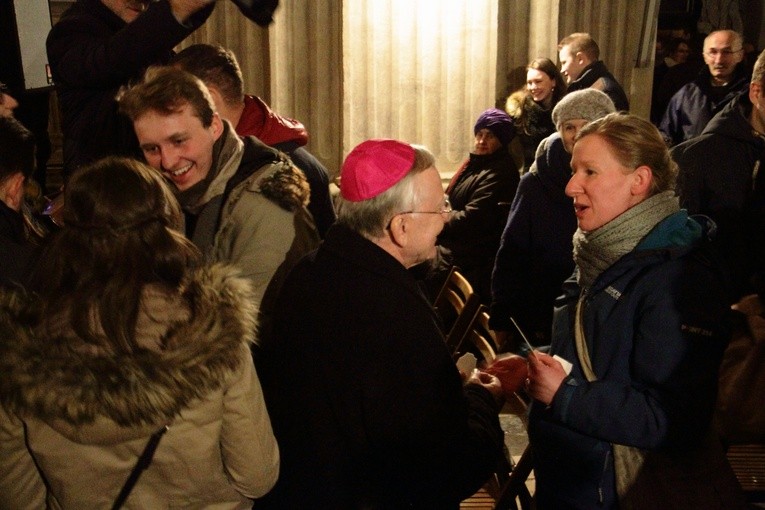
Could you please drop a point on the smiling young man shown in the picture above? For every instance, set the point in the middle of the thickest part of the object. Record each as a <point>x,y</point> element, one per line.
<point>724,77</point>
<point>243,201</point>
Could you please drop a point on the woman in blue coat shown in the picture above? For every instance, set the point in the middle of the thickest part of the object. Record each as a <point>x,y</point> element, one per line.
<point>643,324</point>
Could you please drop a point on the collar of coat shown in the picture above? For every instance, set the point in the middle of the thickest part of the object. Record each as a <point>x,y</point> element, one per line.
<point>61,381</point>
<point>248,161</point>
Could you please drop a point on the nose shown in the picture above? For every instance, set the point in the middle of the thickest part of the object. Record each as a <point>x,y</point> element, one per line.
<point>573,188</point>
<point>168,158</point>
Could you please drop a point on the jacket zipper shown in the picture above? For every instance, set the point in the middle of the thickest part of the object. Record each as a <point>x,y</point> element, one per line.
<point>601,495</point>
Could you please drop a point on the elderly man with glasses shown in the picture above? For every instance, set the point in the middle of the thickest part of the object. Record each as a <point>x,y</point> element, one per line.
<point>723,78</point>
<point>366,403</point>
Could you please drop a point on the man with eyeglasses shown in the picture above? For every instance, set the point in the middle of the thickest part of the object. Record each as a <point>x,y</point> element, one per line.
<point>721,176</point>
<point>723,78</point>
<point>365,400</point>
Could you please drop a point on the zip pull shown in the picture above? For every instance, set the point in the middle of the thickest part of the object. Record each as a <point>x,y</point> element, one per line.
<point>755,171</point>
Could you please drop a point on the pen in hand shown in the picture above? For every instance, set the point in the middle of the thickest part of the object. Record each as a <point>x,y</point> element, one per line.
<point>526,340</point>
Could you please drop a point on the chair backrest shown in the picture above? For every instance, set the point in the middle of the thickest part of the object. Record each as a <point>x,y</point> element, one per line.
<point>456,304</point>
<point>748,463</point>
<point>479,338</point>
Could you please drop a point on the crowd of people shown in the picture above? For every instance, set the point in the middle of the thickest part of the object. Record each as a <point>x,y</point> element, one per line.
<point>206,326</point>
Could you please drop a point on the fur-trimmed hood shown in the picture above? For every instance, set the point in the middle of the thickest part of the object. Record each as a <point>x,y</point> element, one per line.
<point>248,162</point>
<point>191,339</point>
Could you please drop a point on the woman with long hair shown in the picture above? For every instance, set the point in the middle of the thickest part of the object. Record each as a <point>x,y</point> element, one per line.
<point>531,106</point>
<point>130,340</point>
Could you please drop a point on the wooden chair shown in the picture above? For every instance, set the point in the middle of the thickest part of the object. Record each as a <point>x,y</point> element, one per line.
<point>748,463</point>
<point>508,484</point>
<point>479,338</point>
<point>456,304</point>
<point>514,491</point>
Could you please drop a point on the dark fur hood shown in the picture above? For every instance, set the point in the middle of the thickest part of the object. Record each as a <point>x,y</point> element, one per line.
<point>92,397</point>
<point>282,182</point>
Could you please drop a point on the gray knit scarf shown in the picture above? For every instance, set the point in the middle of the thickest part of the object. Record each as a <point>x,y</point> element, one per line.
<point>596,251</point>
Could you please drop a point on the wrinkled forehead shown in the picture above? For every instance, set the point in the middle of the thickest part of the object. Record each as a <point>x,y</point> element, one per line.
<point>721,41</point>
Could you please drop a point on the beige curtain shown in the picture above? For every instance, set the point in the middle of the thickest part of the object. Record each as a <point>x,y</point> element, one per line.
<point>307,72</point>
<point>418,70</point>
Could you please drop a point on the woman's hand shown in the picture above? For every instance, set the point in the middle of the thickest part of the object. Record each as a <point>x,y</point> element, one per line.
<point>546,375</point>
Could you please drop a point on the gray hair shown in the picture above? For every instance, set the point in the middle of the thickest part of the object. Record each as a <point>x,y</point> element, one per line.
<point>370,217</point>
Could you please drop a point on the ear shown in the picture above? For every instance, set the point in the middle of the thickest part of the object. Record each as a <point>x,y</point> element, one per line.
<point>14,190</point>
<point>642,179</point>
<point>580,57</point>
<point>755,93</point>
<point>399,230</point>
<point>216,125</point>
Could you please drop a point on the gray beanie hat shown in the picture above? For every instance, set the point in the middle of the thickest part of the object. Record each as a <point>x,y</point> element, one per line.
<point>589,104</point>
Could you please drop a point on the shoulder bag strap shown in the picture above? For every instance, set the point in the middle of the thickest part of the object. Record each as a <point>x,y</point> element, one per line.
<point>143,462</point>
<point>582,352</point>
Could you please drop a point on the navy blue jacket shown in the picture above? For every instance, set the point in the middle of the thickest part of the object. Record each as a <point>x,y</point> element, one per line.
<point>534,256</point>
<point>655,326</point>
<point>693,106</point>
<point>598,71</point>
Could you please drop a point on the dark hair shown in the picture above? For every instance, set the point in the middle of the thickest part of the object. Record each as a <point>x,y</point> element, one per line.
<point>214,65</point>
<point>674,45</point>
<point>120,234</point>
<point>17,149</point>
<point>519,104</point>
<point>166,90</point>
<point>548,67</point>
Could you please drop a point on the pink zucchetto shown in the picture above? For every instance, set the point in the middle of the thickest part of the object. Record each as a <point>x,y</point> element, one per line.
<point>374,166</point>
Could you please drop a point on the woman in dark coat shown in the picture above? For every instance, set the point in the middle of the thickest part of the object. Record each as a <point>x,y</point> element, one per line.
<point>531,106</point>
<point>480,194</point>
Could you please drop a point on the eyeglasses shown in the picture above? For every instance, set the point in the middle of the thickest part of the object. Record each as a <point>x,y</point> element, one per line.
<point>712,53</point>
<point>446,208</point>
